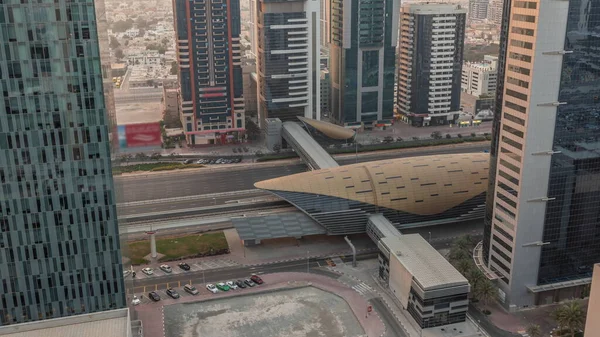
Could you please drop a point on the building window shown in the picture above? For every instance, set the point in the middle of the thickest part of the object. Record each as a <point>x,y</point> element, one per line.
<point>522,31</point>
<point>525,4</point>
<point>524,18</point>
<point>512,131</point>
<point>520,57</point>
<point>518,82</point>
<point>515,106</point>
<point>521,44</point>
<point>516,94</point>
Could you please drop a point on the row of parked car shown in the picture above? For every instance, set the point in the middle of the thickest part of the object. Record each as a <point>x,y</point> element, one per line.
<point>207,161</point>
<point>191,289</point>
<point>166,268</point>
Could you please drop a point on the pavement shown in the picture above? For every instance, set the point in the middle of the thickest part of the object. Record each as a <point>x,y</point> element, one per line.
<point>227,178</point>
<point>152,314</point>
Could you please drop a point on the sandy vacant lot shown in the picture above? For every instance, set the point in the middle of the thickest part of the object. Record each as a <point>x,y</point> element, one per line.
<point>300,312</point>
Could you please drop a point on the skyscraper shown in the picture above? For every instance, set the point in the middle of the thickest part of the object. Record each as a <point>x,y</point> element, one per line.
<point>362,63</point>
<point>494,11</point>
<point>542,235</point>
<point>288,59</point>
<point>59,245</point>
<point>430,63</point>
<point>478,10</point>
<point>210,73</point>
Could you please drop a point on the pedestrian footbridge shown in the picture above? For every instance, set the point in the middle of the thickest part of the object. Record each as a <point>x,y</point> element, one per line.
<point>306,147</point>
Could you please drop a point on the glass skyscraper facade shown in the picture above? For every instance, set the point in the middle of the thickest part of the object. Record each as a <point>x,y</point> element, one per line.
<point>59,244</point>
<point>542,233</point>
<point>362,54</point>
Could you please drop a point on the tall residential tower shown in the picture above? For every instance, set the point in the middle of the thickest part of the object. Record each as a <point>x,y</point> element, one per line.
<point>287,60</point>
<point>430,57</point>
<point>542,235</point>
<point>210,72</point>
<point>362,53</point>
<point>59,244</point>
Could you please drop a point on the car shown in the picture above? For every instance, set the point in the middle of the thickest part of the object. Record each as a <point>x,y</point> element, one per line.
<point>173,293</point>
<point>231,285</point>
<point>199,161</point>
<point>166,268</point>
<point>249,283</point>
<point>222,286</point>
<point>148,271</point>
<point>184,266</point>
<point>256,279</point>
<point>188,288</point>
<point>154,296</point>
<point>126,273</point>
<point>240,284</point>
<point>136,300</point>
<point>212,288</point>
<point>187,161</point>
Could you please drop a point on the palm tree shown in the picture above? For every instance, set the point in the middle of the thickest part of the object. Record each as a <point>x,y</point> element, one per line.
<point>475,276</point>
<point>569,316</point>
<point>464,266</point>
<point>485,291</point>
<point>457,254</point>
<point>534,330</point>
<point>463,243</point>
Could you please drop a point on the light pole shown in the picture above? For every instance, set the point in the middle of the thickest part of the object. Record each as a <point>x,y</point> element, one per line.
<point>356,149</point>
<point>429,237</point>
<point>307,263</point>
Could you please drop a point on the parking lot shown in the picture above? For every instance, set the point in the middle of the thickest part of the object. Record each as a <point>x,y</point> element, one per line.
<point>296,312</point>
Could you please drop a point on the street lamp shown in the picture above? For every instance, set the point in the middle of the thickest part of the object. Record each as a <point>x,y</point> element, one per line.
<point>429,237</point>
<point>356,149</point>
<point>307,263</point>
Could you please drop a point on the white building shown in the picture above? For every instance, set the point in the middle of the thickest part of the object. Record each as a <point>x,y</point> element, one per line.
<point>132,32</point>
<point>480,78</point>
<point>478,10</point>
<point>148,57</point>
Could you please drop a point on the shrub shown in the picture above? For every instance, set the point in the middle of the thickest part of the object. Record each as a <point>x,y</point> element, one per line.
<point>473,134</point>
<point>415,138</point>
<point>459,135</point>
<point>436,135</point>
<point>448,136</point>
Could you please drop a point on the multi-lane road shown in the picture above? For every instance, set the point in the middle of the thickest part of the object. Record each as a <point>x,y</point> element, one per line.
<point>135,188</point>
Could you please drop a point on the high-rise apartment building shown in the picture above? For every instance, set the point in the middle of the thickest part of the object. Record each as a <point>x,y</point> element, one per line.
<point>325,20</point>
<point>362,54</point>
<point>479,78</point>
<point>494,11</point>
<point>59,244</point>
<point>288,57</point>
<point>430,57</point>
<point>210,72</point>
<point>542,237</point>
<point>478,10</point>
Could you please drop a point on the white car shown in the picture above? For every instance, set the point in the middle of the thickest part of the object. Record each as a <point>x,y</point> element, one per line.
<point>166,268</point>
<point>212,288</point>
<point>231,285</point>
<point>148,271</point>
<point>136,300</point>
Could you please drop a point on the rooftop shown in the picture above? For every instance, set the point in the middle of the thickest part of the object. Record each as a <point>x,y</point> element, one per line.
<point>113,323</point>
<point>428,267</point>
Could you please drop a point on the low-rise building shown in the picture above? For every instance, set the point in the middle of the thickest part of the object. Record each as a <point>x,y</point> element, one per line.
<point>479,78</point>
<point>170,107</point>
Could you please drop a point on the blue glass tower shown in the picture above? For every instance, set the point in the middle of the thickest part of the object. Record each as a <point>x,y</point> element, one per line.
<point>59,245</point>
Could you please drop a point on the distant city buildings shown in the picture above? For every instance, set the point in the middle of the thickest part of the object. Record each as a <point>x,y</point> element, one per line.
<point>362,53</point>
<point>479,78</point>
<point>59,234</point>
<point>541,235</point>
<point>325,83</point>
<point>287,59</point>
<point>210,73</point>
<point>494,11</point>
<point>478,10</point>
<point>430,63</point>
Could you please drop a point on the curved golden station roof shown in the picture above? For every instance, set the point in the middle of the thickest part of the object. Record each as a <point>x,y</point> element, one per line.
<point>330,130</point>
<point>419,185</point>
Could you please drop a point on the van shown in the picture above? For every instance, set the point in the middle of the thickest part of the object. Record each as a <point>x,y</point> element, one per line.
<point>190,289</point>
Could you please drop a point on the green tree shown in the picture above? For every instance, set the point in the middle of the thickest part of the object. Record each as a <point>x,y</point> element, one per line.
<point>485,291</point>
<point>534,330</point>
<point>174,68</point>
<point>464,242</point>
<point>569,316</point>
<point>119,54</point>
<point>464,266</point>
<point>475,276</point>
<point>114,43</point>
<point>277,148</point>
<point>436,135</point>
<point>252,130</point>
<point>457,254</point>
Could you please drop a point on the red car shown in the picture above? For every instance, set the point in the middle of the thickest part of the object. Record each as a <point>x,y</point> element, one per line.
<point>256,279</point>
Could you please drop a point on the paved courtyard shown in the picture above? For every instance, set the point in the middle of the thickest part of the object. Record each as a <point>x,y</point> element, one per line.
<point>297,312</point>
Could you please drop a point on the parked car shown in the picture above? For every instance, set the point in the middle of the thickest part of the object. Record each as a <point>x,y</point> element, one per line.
<point>136,300</point>
<point>199,161</point>
<point>240,284</point>
<point>256,279</point>
<point>148,271</point>
<point>190,289</point>
<point>222,286</point>
<point>154,296</point>
<point>231,284</point>
<point>166,268</point>
<point>187,161</point>
<point>126,273</point>
<point>212,288</point>
<point>249,283</point>
<point>173,293</point>
<point>184,266</point>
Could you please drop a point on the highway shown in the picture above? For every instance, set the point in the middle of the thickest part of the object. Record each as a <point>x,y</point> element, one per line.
<point>142,187</point>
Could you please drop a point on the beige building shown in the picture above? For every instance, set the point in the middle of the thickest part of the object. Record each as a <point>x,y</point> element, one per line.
<point>170,112</point>
<point>592,325</point>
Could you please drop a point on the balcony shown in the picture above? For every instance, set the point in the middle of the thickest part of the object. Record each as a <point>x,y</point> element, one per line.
<point>478,259</point>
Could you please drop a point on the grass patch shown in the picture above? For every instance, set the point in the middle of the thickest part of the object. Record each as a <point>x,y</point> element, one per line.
<point>181,247</point>
<point>383,146</point>
<point>153,167</point>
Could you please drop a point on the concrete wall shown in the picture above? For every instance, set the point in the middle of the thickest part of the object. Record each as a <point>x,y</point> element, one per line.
<point>400,281</point>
